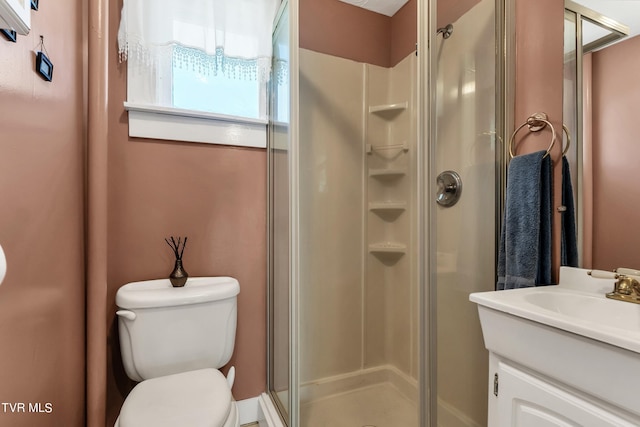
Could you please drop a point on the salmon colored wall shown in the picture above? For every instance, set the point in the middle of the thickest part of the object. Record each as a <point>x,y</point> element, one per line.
<point>404,32</point>
<point>215,195</point>
<point>340,29</point>
<point>344,30</point>
<point>41,221</point>
<point>616,102</point>
<point>539,72</point>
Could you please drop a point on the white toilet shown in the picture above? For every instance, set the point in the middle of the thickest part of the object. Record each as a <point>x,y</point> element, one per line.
<point>173,340</point>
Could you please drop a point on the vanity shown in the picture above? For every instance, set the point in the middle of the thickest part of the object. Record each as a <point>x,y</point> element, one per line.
<point>562,355</point>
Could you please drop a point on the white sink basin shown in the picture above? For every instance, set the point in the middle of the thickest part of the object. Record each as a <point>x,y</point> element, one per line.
<point>577,305</point>
<point>589,308</point>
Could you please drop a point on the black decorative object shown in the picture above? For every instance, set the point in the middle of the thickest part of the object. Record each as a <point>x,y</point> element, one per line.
<point>44,66</point>
<point>10,35</point>
<point>178,276</point>
<point>34,4</point>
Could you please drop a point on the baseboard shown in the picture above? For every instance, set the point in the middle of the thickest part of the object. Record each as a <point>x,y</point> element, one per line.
<point>249,410</point>
<point>268,414</point>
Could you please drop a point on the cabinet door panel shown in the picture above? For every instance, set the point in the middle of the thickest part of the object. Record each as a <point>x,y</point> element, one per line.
<point>527,401</point>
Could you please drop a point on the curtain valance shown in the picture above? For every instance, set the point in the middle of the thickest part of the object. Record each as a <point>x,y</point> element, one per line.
<point>230,36</point>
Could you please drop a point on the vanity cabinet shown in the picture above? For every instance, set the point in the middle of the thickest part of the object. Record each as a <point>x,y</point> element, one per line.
<point>525,399</point>
<point>561,355</point>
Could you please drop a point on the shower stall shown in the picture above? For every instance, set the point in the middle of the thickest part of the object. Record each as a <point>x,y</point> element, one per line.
<point>371,260</point>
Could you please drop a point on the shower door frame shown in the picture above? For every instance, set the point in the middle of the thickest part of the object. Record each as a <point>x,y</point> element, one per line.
<point>288,415</point>
<point>426,194</point>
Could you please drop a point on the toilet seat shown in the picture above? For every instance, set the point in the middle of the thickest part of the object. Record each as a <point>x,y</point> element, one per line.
<point>199,398</point>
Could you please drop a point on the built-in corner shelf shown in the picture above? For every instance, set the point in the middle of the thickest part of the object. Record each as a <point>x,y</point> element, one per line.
<point>387,206</point>
<point>388,110</point>
<point>387,173</point>
<point>388,211</point>
<point>387,248</point>
<point>388,252</point>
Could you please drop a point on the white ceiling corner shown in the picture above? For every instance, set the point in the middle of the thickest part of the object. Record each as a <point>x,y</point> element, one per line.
<point>384,7</point>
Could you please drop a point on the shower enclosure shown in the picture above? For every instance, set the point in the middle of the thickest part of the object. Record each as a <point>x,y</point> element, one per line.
<point>370,323</point>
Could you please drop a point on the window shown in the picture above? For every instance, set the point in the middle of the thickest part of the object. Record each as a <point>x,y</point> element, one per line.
<point>197,70</point>
<point>194,89</point>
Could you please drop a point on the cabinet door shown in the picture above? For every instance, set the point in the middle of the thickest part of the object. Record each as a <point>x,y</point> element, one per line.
<point>527,401</point>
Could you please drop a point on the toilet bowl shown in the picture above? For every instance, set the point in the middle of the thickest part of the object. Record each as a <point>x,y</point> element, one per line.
<point>173,340</point>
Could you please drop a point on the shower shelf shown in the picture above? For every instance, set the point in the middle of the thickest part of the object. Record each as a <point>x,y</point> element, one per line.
<point>388,252</point>
<point>388,247</point>
<point>387,173</point>
<point>388,211</point>
<point>388,111</point>
<point>387,206</point>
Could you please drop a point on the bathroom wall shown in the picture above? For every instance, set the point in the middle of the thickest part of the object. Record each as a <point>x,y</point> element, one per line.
<point>390,293</point>
<point>331,188</point>
<point>616,101</point>
<point>539,86</point>
<point>215,195</point>
<point>356,33</point>
<point>356,310</point>
<point>41,221</point>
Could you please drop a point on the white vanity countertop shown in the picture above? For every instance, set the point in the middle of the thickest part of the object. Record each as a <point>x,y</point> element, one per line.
<point>578,305</point>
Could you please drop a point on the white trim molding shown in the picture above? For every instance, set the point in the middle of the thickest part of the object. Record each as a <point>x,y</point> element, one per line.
<point>268,416</point>
<point>174,124</point>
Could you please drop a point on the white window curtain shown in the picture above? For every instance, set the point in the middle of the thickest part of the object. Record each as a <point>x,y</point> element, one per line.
<point>212,36</point>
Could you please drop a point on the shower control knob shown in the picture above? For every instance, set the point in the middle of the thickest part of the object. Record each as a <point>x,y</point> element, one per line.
<point>449,188</point>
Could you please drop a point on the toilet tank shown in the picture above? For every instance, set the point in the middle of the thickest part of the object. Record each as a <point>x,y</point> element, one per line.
<point>165,330</point>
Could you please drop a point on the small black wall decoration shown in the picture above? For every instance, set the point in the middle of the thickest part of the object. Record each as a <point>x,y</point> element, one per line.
<point>10,35</point>
<point>34,4</point>
<point>44,66</point>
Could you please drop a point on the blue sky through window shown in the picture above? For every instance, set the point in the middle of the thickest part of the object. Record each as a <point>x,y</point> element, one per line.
<point>215,93</point>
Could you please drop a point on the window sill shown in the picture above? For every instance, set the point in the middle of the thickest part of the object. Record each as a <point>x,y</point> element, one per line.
<point>150,121</point>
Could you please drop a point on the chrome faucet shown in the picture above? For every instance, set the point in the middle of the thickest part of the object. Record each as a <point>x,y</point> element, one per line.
<point>627,286</point>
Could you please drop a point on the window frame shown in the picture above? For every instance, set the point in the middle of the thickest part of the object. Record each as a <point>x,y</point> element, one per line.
<point>176,124</point>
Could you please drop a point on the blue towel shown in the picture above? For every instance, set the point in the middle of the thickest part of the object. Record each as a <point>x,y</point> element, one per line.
<point>524,257</point>
<point>568,239</point>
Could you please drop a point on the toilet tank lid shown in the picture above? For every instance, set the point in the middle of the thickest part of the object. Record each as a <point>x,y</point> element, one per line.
<point>160,293</point>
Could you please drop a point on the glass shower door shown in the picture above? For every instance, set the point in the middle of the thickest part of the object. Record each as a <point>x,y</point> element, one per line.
<point>466,143</point>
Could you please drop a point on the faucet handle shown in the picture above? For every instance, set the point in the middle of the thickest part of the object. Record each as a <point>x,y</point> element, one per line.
<point>601,274</point>
<point>624,285</point>
<point>629,272</point>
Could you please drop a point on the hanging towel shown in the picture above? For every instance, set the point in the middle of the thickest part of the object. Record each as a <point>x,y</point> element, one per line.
<point>568,239</point>
<point>524,257</point>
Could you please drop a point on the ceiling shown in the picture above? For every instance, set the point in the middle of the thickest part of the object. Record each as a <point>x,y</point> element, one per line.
<point>385,7</point>
<point>626,12</point>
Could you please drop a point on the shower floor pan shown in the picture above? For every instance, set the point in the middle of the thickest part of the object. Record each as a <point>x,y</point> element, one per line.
<point>379,405</point>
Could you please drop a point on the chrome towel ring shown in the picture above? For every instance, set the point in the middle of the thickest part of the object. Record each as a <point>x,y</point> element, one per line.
<point>536,123</point>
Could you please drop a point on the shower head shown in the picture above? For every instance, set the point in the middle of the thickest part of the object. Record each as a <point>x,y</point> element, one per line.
<point>446,31</point>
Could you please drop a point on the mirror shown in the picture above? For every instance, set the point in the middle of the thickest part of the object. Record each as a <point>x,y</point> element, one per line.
<point>601,100</point>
